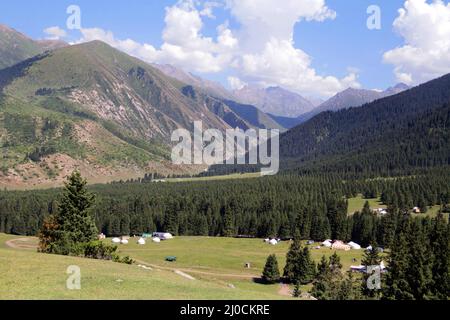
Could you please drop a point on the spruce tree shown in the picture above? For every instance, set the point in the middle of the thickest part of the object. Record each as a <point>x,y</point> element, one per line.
<point>321,285</point>
<point>297,291</point>
<point>271,273</point>
<point>74,215</point>
<point>335,262</point>
<point>349,288</point>
<point>299,265</point>
<point>418,272</point>
<point>370,258</point>
<point>73,223</point>
<point>396,285</point>
<point>440,245</point>
<point>292,257</point>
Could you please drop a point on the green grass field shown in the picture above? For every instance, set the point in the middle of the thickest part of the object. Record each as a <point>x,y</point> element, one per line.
<point>217,178</point>
<point>357,204</point>
<point>217,264</point>
<point>220,255</point>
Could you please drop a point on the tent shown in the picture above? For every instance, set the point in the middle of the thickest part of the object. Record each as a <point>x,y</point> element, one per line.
<point>141,241</point>
<point>156,239</point>
<point>162,235</point>
<point>327,243</point>
<point>167,236</point>
<point>273,242</point>
<point>354,245</point>
<point>116,240</point>
<point>339,245</point>
<point>359,268</point>
<point>124,241</point>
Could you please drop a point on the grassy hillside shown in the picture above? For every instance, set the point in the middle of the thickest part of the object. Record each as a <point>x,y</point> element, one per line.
<point>15,47</point>
<point>217,265</point>
<point>222,255</point>
<point>94,108</point>
<point>25,274</point>
<point>38,145</point>
<point>357,204</point>
<point>115,115</point>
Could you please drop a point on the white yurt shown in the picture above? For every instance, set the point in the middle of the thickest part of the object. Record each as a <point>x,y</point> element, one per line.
<point>141,241</point>
<point>327,244</point>
<point>167,236</point>
<point>124,241</point>
<point>273,242</point>
<point>354,245</point>
<point>267,240</point>
<point>156,239</point>
<point>115,240</point>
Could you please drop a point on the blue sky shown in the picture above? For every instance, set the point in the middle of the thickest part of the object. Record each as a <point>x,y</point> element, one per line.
<point>336,46</point>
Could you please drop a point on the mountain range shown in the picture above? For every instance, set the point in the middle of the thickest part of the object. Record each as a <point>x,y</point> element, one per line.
<point>274,100</point>
<point>213,88</point>
<point>94,108</point>
<point>348,98</point>
<point>16,47</point>
<point>393,135</point>
<point>402,134</point>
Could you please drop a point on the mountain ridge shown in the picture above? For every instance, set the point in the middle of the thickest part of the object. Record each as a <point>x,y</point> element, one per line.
<point>16,46</point>
<point>406,131</point>
<point>274,100</point>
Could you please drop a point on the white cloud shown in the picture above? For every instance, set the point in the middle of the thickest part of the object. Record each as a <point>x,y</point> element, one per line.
<point>263,20</point>
<point>261,50</point>
<point>55,33</point>
<point>143,51</point>
<point>184,45</point>
<point>236,83</point>
<point>208,8</point>
<point>268,52</point>
<point>425,28</point>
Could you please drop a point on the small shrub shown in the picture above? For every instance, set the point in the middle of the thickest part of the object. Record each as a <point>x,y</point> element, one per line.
<point>126,259</point>
<point>99,250</point>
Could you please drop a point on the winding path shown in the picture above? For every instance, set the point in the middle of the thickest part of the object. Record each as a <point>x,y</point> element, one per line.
<point>187,270</point>
<point>21,243</point>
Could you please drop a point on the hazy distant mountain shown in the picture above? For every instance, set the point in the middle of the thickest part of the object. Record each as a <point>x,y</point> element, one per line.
<point>396,89</point>
<point>213,88</point>
<point>16,47</point>
<point>254,116</point>
<point>248,116</point>
<point>274,100</point>
<point>352,98</point>
<point>358,97</point>
<point>349,98</point>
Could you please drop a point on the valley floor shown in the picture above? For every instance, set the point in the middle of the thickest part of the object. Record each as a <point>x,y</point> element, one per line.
<point>206,268</point>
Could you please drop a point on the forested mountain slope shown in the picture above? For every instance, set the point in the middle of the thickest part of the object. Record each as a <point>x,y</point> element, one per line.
<point>406,131</point>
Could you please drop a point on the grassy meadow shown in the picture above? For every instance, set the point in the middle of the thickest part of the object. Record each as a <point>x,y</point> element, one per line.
<point>217,264</point>
<point>357,204</point>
